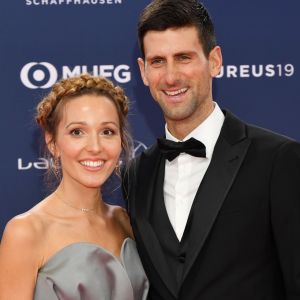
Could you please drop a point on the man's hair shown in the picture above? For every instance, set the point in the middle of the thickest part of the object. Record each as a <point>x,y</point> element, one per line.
<point>160,15</point>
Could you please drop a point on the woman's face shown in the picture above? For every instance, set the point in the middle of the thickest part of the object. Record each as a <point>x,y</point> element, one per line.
<point>88,140</point>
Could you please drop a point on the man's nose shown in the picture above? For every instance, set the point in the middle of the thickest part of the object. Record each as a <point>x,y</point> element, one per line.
<point>171,74</point>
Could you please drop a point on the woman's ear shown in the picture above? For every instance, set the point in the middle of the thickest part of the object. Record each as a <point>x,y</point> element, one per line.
<point>51,144</point>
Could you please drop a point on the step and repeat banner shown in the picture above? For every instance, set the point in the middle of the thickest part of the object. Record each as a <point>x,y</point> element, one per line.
<point>45,40</point>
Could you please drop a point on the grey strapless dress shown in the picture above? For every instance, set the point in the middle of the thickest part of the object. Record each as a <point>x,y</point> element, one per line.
<point>85,271</point>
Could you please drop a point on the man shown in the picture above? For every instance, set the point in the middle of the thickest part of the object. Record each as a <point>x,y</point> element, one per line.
<point>223,224</point>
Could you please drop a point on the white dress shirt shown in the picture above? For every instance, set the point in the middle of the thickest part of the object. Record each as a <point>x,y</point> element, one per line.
<point>184,174</point>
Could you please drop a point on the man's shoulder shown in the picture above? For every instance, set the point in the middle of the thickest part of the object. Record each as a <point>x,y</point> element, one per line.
<point>149,152</point>
<point>267,136</point>
<point>134,163</point>
<point>256,132</point>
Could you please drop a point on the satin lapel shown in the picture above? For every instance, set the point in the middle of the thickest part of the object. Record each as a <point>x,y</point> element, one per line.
<point>146,183</point>
<point>229,153</point>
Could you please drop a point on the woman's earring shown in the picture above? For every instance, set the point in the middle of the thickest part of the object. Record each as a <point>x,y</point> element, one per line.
<point>56,167</point>
<point>118,168</point>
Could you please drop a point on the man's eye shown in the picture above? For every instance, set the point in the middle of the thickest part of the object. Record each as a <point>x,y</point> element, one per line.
<point>76,132</point>
<point>157,61</point>
<point>183,57</point>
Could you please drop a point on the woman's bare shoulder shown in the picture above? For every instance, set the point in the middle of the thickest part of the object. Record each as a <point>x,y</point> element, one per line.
<point>120,215</point>
<point>23,229</point>
<point>21,255</point>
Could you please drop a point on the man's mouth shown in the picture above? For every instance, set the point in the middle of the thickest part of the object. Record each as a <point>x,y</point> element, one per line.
<point>176,92</point>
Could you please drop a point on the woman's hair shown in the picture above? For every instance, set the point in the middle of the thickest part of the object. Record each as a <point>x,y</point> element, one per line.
<point>49,110</point>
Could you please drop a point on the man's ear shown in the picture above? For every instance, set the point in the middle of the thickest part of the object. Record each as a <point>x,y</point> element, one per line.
<point>141,64</point>
<point>215,61</point>
<point>51,144</point>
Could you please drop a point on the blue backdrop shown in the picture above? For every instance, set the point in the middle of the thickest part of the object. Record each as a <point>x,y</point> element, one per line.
<point>45,40</point>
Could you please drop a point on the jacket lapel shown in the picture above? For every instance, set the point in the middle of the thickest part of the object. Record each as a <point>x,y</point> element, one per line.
<point>229,153</point>
<point>148,168</point>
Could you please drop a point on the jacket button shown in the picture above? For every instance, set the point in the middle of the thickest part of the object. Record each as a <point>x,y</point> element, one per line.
<point>181,258</point>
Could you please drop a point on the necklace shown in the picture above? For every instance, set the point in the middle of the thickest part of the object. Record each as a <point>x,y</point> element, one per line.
<point>82,209</point>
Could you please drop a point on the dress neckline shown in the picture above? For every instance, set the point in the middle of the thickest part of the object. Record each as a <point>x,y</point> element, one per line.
<point>90,245</point>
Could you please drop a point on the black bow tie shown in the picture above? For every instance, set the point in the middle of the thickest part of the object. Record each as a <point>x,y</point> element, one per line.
<point>171,150</point>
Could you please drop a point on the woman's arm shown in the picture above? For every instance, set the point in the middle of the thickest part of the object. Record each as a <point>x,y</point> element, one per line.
<point>19,259</point>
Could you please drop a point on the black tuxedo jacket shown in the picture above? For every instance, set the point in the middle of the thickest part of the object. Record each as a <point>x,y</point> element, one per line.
<point>244,240</point>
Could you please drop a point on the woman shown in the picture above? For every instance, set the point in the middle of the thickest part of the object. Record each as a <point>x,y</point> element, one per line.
<point>72,245</point>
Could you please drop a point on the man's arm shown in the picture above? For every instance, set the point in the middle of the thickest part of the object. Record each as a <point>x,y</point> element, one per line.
<point>285,212</point>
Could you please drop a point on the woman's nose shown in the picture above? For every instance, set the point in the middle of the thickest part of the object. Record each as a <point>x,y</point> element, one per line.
<point>94,143</point>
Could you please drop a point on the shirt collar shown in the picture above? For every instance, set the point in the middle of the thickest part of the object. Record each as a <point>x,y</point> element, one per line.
<point>207,132</point>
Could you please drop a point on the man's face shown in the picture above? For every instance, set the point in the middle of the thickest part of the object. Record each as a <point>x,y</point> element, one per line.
<point>178,73</point>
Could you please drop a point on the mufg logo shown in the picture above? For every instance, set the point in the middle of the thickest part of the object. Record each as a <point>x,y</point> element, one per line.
<point>43,74</point>
<point>38,75</point>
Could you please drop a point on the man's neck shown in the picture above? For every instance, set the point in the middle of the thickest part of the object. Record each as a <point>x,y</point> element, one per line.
<point>181,128</point>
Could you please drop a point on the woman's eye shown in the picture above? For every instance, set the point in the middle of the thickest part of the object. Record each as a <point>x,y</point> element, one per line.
<point>76,132</point>
<point>108,131</point>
